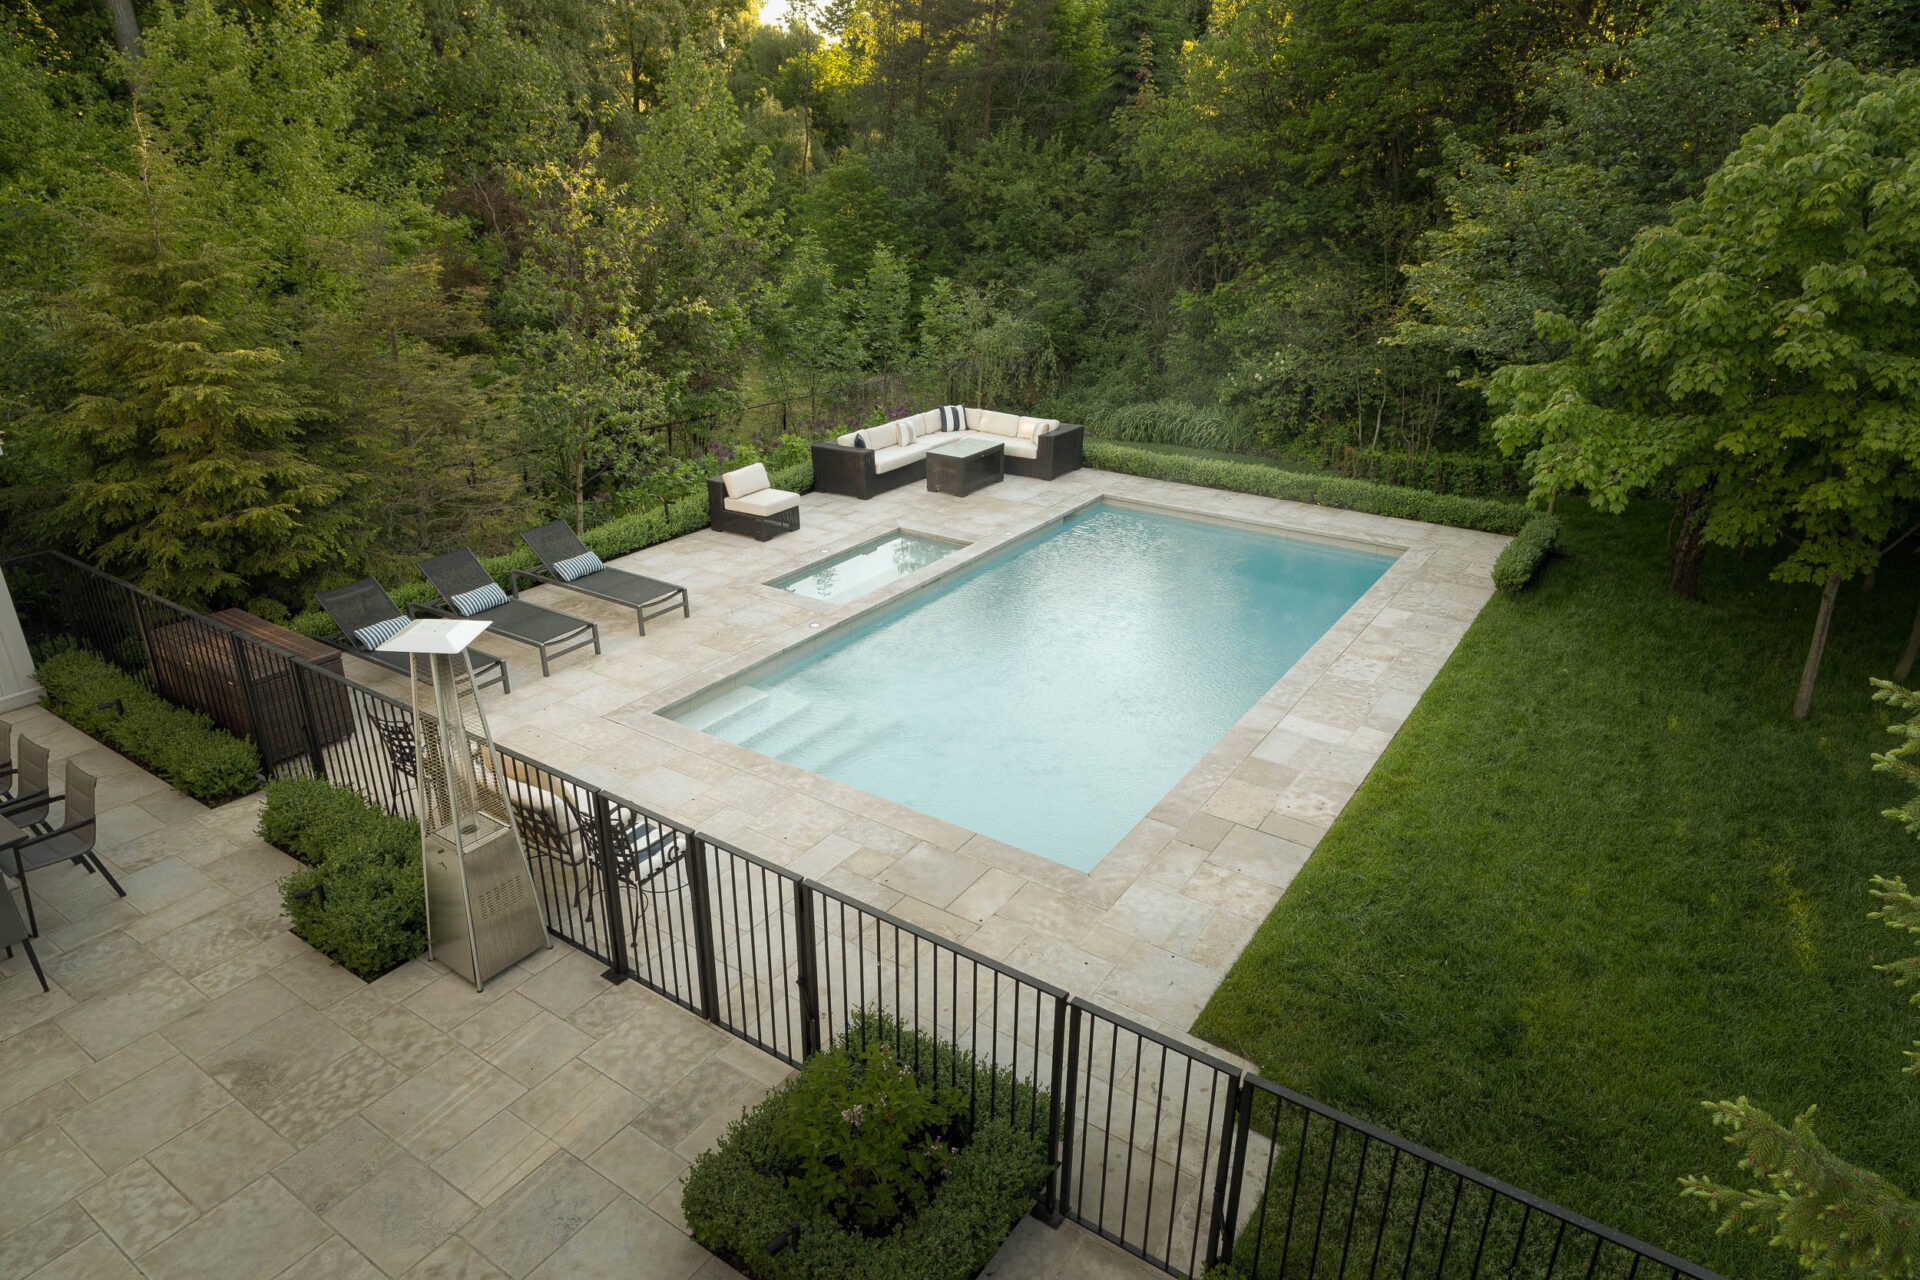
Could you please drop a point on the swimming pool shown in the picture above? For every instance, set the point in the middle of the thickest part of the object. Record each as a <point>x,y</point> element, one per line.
<point>1049,695</point>
<point>872,564</point>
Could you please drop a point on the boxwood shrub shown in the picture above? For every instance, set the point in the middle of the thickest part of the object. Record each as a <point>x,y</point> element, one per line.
<point>760,1198</point>
<point>1512,571</point>
<point>359,900</point>
<point>184,747</point>
<point>617,537</point>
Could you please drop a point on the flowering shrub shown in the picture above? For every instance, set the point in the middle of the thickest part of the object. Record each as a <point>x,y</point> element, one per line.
<point>866,1140</point>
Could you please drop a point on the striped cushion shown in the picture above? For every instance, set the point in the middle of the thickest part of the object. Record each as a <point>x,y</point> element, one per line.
<point>479,600</point>
<point>380,632</point>
<point>574,568</point>
<point>953,417</point>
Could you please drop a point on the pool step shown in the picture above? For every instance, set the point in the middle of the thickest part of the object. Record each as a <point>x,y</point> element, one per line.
<point>797,738</point>
<point>739,715</point>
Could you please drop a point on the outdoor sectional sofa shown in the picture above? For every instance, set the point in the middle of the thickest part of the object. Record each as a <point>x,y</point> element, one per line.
<point>1038,447</point>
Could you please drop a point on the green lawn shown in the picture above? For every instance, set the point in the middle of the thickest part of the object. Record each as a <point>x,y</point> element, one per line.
<point>1601,875</point>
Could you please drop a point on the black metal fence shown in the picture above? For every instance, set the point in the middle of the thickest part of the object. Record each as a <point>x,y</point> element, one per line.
<point>1167,1151</point>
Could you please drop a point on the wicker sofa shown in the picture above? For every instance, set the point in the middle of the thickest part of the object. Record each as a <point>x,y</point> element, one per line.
<point>861,464</point>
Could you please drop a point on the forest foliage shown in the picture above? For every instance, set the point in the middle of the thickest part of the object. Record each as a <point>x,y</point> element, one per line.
<point>300,289</point>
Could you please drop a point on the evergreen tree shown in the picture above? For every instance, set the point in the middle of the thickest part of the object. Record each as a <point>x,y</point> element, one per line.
<point>185,439</point>
<point>425,424</point>
<point>882,312</point>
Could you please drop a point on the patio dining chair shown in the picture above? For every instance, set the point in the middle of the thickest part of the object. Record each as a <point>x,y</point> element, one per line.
<point>566,562</point>
<point>470,592</point>
<point>27,797</point>
<point>6,752</point>
<point>367,617</point>
<point>72,841</point>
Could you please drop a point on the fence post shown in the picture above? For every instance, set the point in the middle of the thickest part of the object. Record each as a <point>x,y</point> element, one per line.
<point>1233,1163</point>
<point>243,674</point>
<point>703,949</point>
<point>146,640</point>
<point>1063,1172</point>
<point>315,756</point>
<point>809,970</point>
<point>1054,1103</point>
<point>610,888</point>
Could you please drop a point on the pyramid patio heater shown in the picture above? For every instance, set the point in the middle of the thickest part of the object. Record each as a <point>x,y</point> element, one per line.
<point>483,913</point>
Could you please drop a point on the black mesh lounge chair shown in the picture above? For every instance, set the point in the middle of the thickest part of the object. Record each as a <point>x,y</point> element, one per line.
<point>72,841</point>
<point>555,544</point>
<point>364,604</point>
<point>459,574</point>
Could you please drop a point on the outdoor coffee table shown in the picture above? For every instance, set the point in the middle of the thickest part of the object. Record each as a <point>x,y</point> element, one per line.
<point>965,465</point>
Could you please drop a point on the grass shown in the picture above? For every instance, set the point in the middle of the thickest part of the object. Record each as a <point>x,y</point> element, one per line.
<point>1601,875</point>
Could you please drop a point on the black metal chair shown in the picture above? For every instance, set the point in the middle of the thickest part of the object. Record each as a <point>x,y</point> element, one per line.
<point>395,730</point>
<point>6,751</point>
<point>550,632</point>
<point>363,604</point>
<point>72,841</point>
<point>555,544</point>
<point>26,800</point>
<point>14,931</point>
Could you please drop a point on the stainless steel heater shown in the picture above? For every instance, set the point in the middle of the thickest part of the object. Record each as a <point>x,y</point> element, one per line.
<point>483,913</point>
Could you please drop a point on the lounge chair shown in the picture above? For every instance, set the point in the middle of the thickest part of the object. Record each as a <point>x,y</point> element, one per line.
<point>471,592</point>
<point>566,562</point>
<point>745,501</point>
<point>363,611</point>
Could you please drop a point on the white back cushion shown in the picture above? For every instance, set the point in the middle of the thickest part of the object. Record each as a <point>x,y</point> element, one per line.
<point>1034,428</point>
<point>994,422</point>
<point>926,423</point>
<point>882,436</point>
<point>905,426</point>
<point>746,480</point>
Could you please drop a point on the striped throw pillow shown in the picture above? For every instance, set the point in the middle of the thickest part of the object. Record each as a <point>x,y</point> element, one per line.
<point>379,633</point>
<point>479,600</point>
<point>953,417</point>
<point>574,568</point>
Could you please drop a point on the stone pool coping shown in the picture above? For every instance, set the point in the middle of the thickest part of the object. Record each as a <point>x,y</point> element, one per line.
<point>1152,929</point>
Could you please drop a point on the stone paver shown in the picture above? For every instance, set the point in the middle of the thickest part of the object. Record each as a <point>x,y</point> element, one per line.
<point>1252,808</point>
<point>301,1124</point>
<point>202,1094</point>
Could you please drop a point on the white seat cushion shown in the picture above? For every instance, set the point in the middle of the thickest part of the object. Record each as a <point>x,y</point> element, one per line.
<point>746,480</point>
<point>1028,449</point>
<point>766,502</point>
<point>993,422</point>
<point>899,455</point>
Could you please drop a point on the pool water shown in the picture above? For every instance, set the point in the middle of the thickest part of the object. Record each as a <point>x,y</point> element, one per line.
<point>861,569</point>
<point>1051,694</point>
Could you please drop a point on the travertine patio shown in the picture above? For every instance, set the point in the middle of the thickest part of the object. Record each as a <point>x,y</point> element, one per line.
<point>203,1095</point>
<point>1152,930</point>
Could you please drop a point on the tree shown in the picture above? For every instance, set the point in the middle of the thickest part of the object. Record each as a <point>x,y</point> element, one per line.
<point>584,337</point>
<point>1842,1222</point>
<point>424,423</point>
<point>883,313</point>
<point>184,438</point>
<point>1759,354</point>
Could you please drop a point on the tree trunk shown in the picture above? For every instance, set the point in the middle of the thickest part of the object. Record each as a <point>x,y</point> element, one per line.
<point>1689,547</point>
<point>126,27</point>
<point>1803,701</point>
<point>580,494</point>
<point>1908,654</point>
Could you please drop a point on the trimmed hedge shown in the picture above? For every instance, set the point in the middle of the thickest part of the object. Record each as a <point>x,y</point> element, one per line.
<point>1513,570</point>
<point>1530,549</point>
<point>1471,474</point>
<point>359,900</point>
<point>184,747</point>
<point>620,536</point>
<point>737,1198</point>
